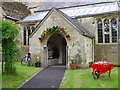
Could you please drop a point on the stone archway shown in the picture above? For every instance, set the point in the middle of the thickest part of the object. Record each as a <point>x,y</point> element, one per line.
<point>56,50</point>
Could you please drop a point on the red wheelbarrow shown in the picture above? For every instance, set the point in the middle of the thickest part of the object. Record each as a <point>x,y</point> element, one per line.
<point>100,67</point>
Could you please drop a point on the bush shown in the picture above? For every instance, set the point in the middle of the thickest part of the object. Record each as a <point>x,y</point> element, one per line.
<point>10,50</point>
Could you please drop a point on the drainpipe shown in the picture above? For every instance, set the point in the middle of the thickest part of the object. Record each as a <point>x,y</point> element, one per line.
<point>93,50</point>
<point>67,59</point>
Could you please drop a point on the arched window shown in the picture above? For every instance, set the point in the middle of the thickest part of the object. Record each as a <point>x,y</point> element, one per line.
<point>100,32</point>
<point>114,30</point>
<point>107,31</point>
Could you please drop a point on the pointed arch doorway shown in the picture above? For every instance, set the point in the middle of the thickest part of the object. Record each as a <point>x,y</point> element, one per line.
<point>56,50</point>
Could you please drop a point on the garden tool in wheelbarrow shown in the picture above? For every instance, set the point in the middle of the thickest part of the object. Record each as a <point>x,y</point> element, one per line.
<point>100,67</point>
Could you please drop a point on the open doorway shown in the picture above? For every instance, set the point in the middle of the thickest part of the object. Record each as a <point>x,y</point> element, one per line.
<point>57,52</point>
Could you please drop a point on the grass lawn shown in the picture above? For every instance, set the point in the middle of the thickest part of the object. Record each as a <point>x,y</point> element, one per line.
<point>84,79</point>
<point>23,74</point>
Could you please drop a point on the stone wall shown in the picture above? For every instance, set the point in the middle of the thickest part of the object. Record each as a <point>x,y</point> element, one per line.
<point>89,23</point>
<point>107,52</point>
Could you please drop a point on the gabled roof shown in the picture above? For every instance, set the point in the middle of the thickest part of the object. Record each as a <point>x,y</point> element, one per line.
<point>76,24</point>
<point>79,27</point>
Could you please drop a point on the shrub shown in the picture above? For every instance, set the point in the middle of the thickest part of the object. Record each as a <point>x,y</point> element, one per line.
<point>10,50</point>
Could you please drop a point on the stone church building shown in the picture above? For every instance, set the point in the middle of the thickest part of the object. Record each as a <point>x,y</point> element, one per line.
<point>58,32</point>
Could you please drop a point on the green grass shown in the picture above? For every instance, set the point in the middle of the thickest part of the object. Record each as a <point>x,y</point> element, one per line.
<point>84,79</point>
<point>23,74</point>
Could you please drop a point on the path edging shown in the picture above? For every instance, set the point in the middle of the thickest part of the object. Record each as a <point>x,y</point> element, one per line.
<point>30,78</point>
<point>63,78</point>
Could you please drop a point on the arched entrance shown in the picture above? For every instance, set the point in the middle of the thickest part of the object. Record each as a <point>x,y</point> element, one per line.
<point>57,53</point>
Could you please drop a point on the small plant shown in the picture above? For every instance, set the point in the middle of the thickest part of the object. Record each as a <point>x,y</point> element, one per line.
<point>37,61</point>
<point>73,64</point>
<point>73,61</point>
<point>90,64</point>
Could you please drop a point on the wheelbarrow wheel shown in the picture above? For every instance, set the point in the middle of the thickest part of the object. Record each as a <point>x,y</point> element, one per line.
<point>95,75</point>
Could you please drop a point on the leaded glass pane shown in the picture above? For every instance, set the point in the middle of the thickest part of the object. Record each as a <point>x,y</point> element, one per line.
<point>107,31</point>
<point>100,32</point>
<point>114,30</point>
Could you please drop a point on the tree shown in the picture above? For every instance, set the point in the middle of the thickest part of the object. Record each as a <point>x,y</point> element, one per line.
<point>9,48</point>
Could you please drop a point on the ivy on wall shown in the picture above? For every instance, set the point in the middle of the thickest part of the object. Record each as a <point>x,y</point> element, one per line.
<point>51,29</point>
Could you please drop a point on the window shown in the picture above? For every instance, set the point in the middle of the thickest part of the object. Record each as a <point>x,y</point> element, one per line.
<point>29,32</point>
<point>32,28</point>
<point>100,32</point>
<point>114,30</point>
<point>24,36</point>
<point>107,30</point>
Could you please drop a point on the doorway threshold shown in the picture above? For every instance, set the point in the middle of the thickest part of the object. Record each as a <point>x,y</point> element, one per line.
<point>64,66</point>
